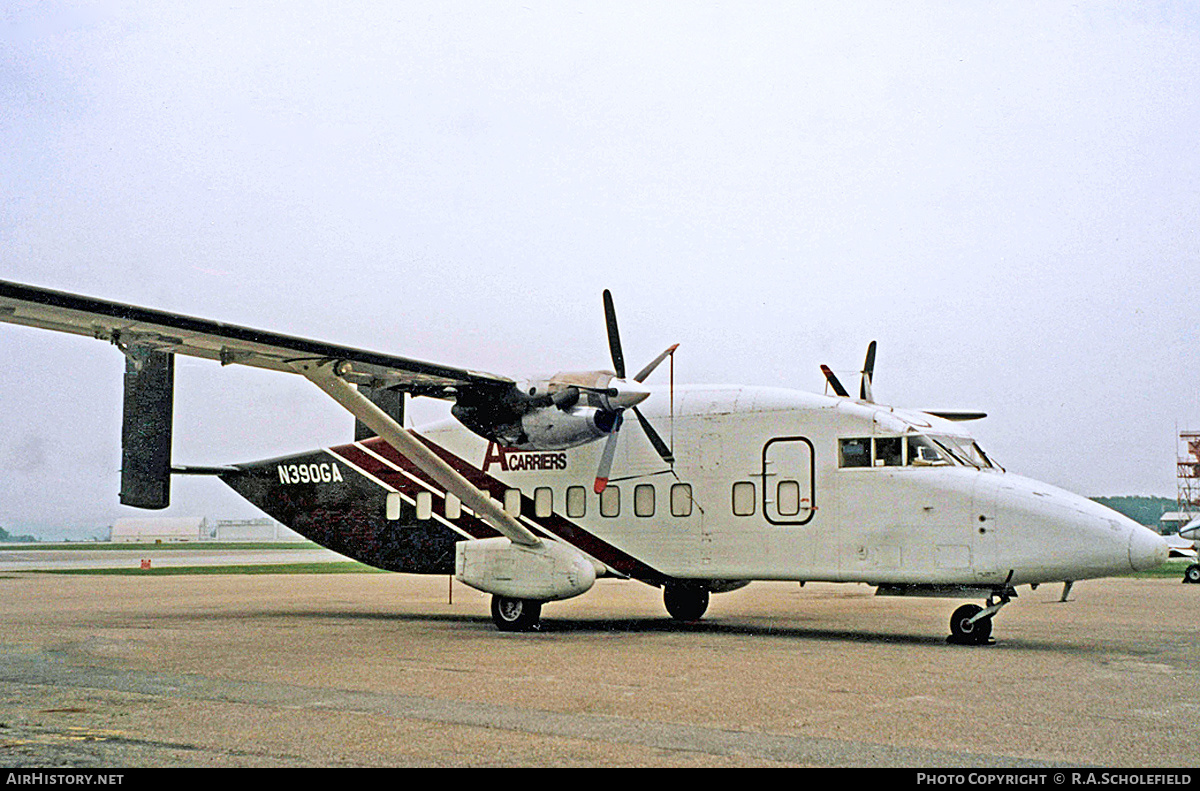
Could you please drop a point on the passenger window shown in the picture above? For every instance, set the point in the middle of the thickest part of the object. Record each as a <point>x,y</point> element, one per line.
<point>610,501</point>
<point>854,452</point>
<point>424,506</point>
<point>643,499</point>
<point>787,498</point>
<point>512,502</point>
<point>392,506</point>
<point>681,499</point>
<point>889,451</point>
<point>543,502</point>
<point>576,502</point>
<point>453,507</point>
<point>743,498</point>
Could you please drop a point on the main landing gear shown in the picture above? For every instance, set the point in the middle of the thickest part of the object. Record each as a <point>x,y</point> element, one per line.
<point>1192,574</point>
<point>516,615</point>
<point>685,602</point>
<point>972,625</point>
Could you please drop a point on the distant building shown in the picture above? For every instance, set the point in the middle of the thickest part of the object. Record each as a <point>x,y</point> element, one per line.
<point>1173,520</point>
<point>166,530</point>
<point>253,530</point>
<point>160,529</point>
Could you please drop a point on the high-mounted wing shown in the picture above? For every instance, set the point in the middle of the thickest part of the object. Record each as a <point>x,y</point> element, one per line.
<point>149,337</point>
<point>129,326</point>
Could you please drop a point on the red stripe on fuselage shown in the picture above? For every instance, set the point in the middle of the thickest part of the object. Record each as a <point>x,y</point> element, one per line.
<point>555,524</point>
<point>409,488</point>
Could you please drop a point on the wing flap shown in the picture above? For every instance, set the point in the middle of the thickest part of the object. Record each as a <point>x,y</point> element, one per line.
<point>130,325</point>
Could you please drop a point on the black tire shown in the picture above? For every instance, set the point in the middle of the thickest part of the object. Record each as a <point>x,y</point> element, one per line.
<point>1192,574</point>
<point>685,602</point>
<point>963,632</point>
<point>516,615</point>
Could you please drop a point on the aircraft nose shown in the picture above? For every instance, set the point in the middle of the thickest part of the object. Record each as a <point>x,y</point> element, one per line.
<point>1147,549</point>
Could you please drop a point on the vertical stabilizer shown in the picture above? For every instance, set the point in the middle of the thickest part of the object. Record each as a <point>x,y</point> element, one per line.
<point>146,428</point>
<point>390,401</point>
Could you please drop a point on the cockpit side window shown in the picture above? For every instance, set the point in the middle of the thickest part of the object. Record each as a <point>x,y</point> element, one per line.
<point>889,451</point>
<point>854,452</point>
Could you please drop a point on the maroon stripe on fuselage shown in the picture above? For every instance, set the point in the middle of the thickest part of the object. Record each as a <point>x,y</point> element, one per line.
<point>555,524</point>
<point>468,523</point>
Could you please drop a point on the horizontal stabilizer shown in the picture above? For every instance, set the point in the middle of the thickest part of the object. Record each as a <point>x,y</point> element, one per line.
<point>184,470</point>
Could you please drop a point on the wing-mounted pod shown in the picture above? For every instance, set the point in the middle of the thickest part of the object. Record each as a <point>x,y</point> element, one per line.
<point>548,572</point>
<point>146,427</point>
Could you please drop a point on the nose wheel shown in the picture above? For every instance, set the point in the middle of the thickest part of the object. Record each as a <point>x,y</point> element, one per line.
<point>967,627</point>
<point>972,625</point>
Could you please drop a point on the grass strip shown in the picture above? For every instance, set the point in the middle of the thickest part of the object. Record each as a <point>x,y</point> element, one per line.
<point>146,546</point>
<point>336,567</point>
<point>1172,568</point>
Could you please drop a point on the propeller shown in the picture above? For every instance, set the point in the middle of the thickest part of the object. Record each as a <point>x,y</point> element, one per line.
<point>626,394</point>
<point>868,378</point>
<point>833,382</point>
<point>868,374</point>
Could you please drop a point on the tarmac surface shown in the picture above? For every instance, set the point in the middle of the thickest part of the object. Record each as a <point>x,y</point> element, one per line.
<point>339,670</point>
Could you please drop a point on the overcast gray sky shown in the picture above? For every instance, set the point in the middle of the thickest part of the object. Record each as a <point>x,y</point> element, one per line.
<point>1005,196</point>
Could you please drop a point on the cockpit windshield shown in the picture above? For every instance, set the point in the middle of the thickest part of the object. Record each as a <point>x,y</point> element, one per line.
<point>964,450</point>
<point>923,452</point>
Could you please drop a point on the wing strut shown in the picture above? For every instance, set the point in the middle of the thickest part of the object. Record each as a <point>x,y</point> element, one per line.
<point>323,375</point>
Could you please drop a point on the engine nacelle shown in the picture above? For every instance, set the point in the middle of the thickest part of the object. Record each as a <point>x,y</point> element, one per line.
<point>548,572</point>
<point>551,428</point>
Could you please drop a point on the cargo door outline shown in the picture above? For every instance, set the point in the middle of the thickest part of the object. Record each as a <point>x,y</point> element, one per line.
<point>789,461</point>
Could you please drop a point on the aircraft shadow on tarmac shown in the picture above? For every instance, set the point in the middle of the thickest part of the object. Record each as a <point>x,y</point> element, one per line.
<point>551,627</point>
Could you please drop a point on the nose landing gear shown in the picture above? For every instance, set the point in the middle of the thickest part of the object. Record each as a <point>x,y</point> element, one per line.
<point>972,625</point>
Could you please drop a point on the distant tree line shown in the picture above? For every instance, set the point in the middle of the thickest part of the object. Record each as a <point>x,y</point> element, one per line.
<point>6,536</point>
<point>1143,510</point>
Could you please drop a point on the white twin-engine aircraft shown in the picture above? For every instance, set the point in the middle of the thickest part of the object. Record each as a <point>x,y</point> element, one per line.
<point>537,488</point>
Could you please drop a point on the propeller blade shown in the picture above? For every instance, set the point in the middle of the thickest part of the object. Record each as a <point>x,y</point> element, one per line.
<point>956,414</point>
<point>833,382</point>
<point>649,369</point>
<point>654,438</point>
<point>606,458</point>
<point>868,374</point>
<point>614,337</point>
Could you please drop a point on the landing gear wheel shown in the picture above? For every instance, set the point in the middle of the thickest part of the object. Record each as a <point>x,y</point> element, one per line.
<point>963,632</point>
<point>516,615</point>
<point>1192,574</point>
<point>685,602</point>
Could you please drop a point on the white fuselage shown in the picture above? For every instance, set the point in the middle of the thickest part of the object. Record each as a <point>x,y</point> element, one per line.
<point>765,487</point>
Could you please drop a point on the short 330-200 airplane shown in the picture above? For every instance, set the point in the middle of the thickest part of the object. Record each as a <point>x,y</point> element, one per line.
<point>535,488</point>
